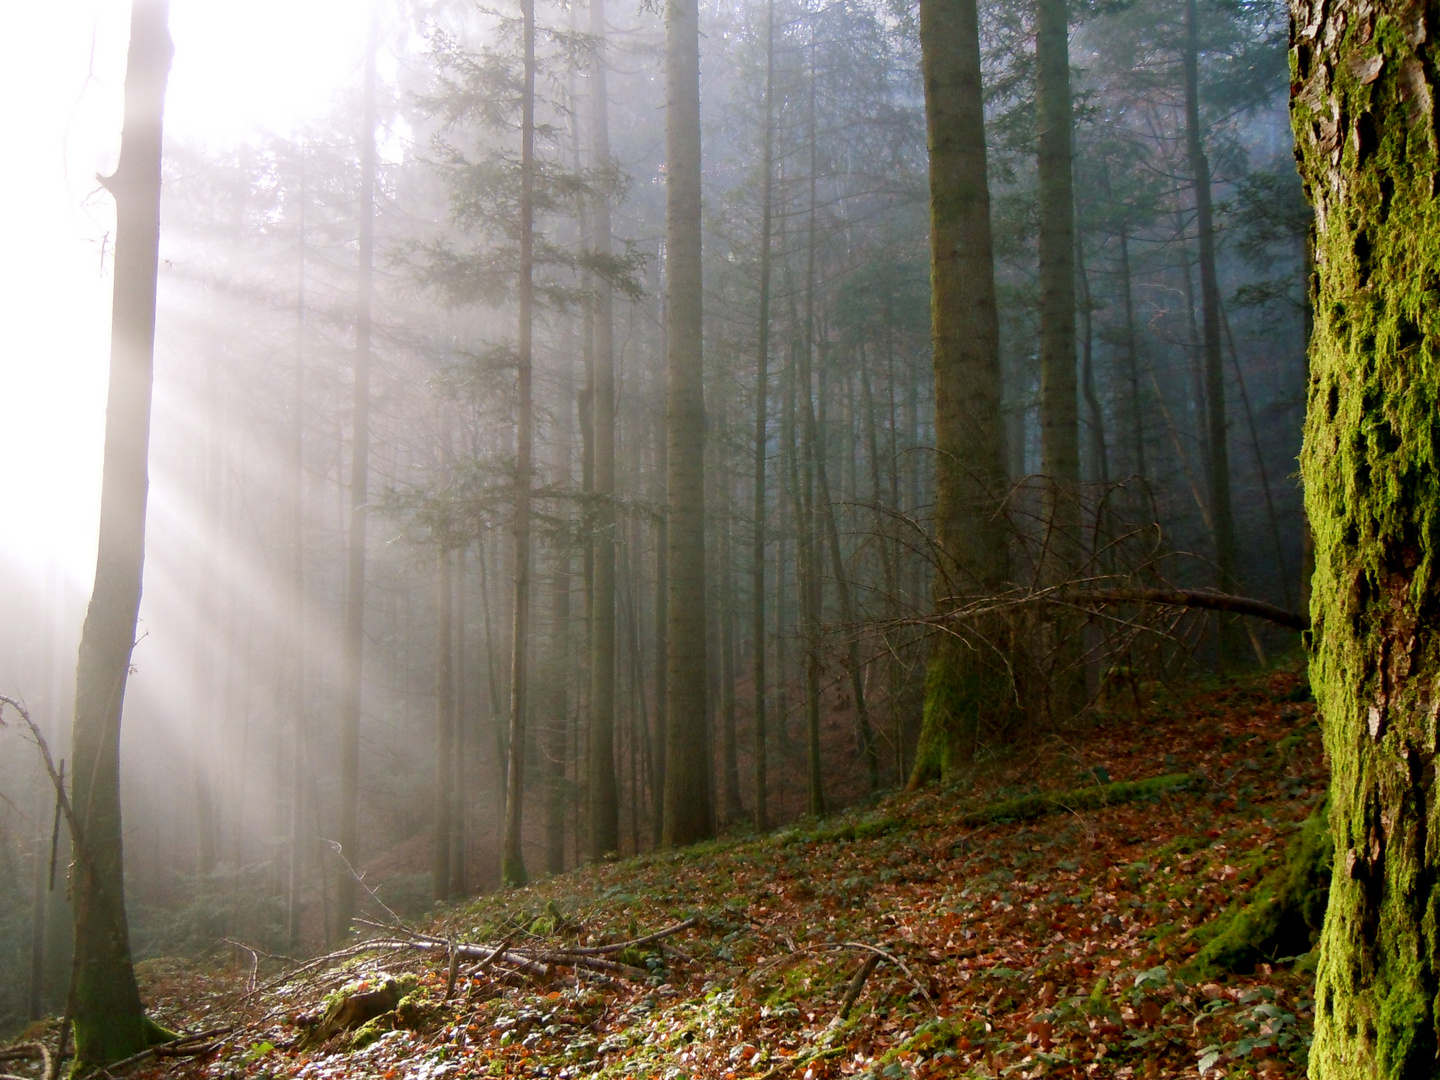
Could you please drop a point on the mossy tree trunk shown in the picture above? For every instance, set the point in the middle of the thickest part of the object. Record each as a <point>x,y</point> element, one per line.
<point>970,470</point>
<point>1363,113</point>
<point>110,1022</point>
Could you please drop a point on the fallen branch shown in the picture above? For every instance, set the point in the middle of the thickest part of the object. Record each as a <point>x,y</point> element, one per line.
<point>1189,598</point>
<point>1091,798</point>
<point>23,1052</point>
<point>854,990</point>
<point>202,1042</point>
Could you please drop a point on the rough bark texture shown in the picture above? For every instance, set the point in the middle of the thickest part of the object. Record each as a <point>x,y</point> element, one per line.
<point>688,813</point>
<point>604,800</point>
<point>969,462</point>
<point>110,1021</point>
<point>1363,80</point>
<point>512,859</point>
<point>353,646</point>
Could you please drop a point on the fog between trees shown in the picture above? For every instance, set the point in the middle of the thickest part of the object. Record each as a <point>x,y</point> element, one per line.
<point>266,556</point>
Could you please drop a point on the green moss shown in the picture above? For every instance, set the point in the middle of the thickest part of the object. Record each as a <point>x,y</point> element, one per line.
<point>1371,466</point>
<point>1095,797</point>
<point>1282,915</point>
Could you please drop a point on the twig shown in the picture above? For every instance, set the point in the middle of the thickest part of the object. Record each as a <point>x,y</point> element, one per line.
<point>450,976</point>
<point>898,963</point>
<point>621,946</point>
<point>856,987</point>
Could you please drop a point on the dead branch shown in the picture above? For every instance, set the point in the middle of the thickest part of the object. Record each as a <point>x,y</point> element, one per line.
<point>1189,598</point>
<point>856,987</point>
<point>202,1042</point>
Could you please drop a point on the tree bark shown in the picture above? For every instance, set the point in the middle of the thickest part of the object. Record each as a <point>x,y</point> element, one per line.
<point>353,642</point>
<point>1363,114</point>
<point>604,799</point>
<point>688,815</point>
<point>968,434</point>
<point>512,858</point>
<point>110,1022</point>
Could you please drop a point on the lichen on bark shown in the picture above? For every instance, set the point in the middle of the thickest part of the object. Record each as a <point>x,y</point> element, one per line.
<point>1362,105</point>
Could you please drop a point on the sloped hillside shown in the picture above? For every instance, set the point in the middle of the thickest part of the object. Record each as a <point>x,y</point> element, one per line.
<point>1041,920</point>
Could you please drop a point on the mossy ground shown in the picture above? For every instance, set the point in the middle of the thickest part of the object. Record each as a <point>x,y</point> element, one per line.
<point>1058,945</point>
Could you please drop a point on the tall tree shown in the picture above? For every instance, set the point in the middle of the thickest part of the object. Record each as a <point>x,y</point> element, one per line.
<point>1217,460</point>
<point>604,799</point>
<point>512,857</point>
<point>1363,114</point>
<point>688,813</point>
<point>762,431</point>
<point>110,1021</point>
<point>353,642</point>
<point>965,326</point>
<point>1059,414</point>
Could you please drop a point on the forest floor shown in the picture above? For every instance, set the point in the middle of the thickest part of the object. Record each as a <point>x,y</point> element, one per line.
<point>1015,935</point>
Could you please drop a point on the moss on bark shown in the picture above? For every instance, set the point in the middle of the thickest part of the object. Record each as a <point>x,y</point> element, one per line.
<point>1363,88</point>
<point>1283,914</point>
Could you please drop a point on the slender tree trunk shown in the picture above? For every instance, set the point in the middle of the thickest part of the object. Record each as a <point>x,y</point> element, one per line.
<point>464,721</point>
<point>444,793</point>
<point>688,816</point>
<point>1059,412</point>
<point>512,859</point>
<point>1363,114</point>
<point>604,799</point>
<point>1218,456</point>
<point>1059,406</point>
<point>969,439</point>
<point>1132,360</point>
<point>295,845</point>
<point>729,751</point>
<point>811,553</point>
<point>110,1022</point>
<point>1100,464</point>
<point>353,643</point>
<point>762,433</point>
<point>662,608</point>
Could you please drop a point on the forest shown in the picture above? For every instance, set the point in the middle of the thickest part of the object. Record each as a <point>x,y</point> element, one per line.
<point>624,487</point>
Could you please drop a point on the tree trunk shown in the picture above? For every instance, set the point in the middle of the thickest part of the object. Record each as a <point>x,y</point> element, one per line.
<point>762,434</point>
<point>604,799</point>
<point>512,859</point>
<point>299,643</point>
<point>1363,113</point>
<point>1218,456</point>
<point>353,643</point>
<point>110,1022</point>
<point>1059,413</point>
<point>1059,409</point>
<point>444,793</point>
<point>688,815</point>
<point>969,463</point>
